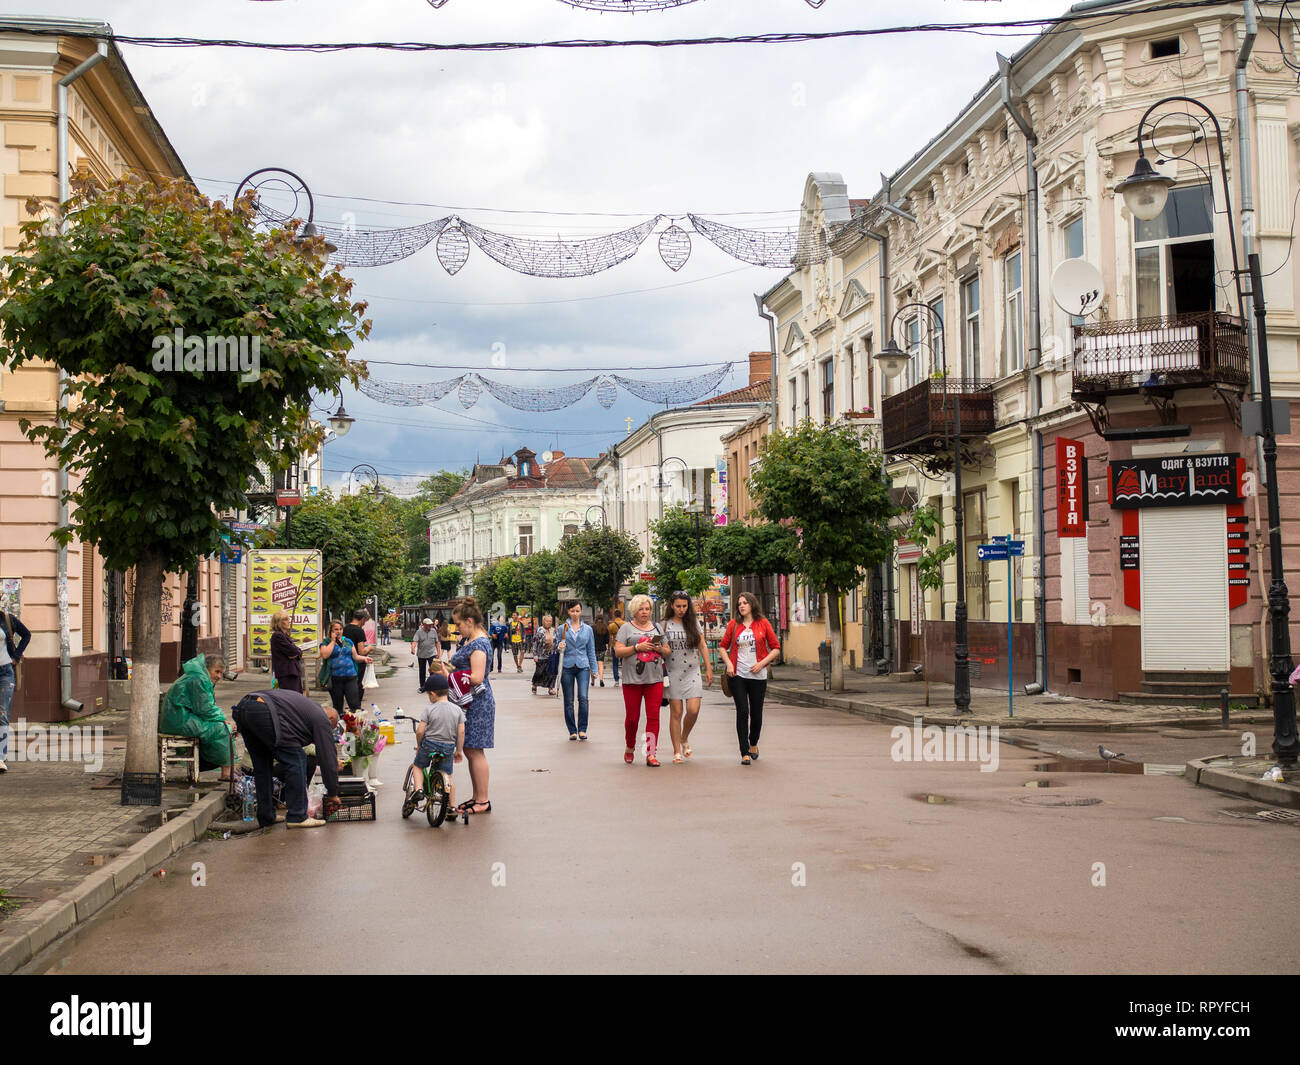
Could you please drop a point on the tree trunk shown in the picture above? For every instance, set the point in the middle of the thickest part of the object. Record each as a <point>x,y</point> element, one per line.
<point>146,649</point>
<point>836,634</point>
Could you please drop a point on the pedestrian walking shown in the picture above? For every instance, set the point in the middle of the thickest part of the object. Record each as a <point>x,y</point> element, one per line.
<point>543,655</point>
<point>497,632</point>
<point>475,654</point>
<point>751,647</point>
<point>640,643</point>
<point>345,681</point>
<point>286,656</point>
<point>600,635</point>
<point>577,664</point>
<point>276,726</point>
<point>425,646</point>
<point>517,642</point>
<point>355,631</point>
<point>11,655</point>
<point>447,637</point>
<point>615,623</point>
<point>685,687</point>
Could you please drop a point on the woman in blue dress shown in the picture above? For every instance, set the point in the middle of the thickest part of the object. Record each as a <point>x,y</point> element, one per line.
<point>475,654</point>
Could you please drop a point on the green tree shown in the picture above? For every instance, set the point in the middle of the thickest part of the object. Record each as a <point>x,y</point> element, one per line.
<point>361,540</point>
<point>596,563</point>
<point>161,444</point>
<point>639,588</point>
<point>434,490</point>
<point>402,590</point>
<point>678,545</point>
<point>444,583</point>
<point>821,481</point>
<point>540,574</point>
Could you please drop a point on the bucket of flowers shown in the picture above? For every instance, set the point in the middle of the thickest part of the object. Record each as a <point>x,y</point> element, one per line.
<point>860,413</point>
<point>360,743</point>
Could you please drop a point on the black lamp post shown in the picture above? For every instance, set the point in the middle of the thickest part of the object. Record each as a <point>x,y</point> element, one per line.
<point>893,360</point>
<point>366,471</point>
<point>1144,193</point>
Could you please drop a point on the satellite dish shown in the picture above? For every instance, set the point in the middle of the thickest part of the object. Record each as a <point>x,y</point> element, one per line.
<point>546,457</point>
<point>1077,287</point>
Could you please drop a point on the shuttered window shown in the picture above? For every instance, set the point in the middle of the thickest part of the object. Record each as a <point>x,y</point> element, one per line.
<point>1082,601</point>
<point>87,597</point>
<point>1184,560</point>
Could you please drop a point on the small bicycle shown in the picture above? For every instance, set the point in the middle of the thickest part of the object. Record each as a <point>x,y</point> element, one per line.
<point>437,792</point>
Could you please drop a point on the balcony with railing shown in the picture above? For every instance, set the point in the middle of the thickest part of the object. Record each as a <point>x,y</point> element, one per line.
<point>922,419</point>
<point>1182,351</point>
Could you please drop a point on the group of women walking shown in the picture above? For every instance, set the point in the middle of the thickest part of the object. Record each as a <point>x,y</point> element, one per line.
<point>674,654</point>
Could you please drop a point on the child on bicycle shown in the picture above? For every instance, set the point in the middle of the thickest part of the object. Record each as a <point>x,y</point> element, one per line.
<point>440,733</point>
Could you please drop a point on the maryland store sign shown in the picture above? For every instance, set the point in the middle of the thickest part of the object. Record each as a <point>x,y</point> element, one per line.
<point>1176,481</point>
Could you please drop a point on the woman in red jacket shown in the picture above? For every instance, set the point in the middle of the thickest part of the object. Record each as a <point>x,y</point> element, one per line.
<point>751,647</point>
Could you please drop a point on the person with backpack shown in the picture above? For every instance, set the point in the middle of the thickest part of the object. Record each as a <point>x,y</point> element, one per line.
<point>11,654</point>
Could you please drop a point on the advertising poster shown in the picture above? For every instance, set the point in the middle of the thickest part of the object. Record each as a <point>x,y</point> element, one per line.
<point>718,492</point>
<point>11,595</point>
<point>283,580</point>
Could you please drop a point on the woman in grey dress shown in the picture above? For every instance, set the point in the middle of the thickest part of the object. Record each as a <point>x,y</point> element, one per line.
<point>685,688</point>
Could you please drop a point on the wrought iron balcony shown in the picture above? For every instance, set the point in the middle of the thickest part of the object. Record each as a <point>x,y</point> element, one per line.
<point>1183,351</point>
<point>922,419</point>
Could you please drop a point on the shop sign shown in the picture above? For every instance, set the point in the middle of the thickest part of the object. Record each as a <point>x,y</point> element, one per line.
<point>1071,488</point>
<point>1176,481</point>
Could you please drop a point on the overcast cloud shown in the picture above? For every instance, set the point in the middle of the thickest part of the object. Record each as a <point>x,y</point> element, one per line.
<point>631,131</point>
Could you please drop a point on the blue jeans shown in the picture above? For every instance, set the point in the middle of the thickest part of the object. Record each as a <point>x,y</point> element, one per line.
<point>6,698</point>
<point>615,658</point>
<point>581,675</point>
<point>259,739</point>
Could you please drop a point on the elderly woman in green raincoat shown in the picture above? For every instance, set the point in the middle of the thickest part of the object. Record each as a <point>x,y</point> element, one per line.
<point>190,709</point>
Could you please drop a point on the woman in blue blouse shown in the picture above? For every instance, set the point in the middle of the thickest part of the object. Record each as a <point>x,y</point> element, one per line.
<point>343,657</point>
<point>577,664</point>
<point>475,654</point>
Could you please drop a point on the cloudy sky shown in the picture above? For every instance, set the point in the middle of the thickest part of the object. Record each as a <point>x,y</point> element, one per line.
<point>546,144</point>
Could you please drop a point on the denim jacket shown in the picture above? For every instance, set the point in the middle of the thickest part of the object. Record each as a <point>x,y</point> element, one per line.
<point>579,647</point>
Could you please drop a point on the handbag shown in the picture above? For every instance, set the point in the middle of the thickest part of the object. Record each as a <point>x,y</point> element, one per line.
<point>323,674</point>
<point>726,684</point>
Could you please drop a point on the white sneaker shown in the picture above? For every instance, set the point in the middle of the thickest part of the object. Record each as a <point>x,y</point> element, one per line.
<point>3,768</point>
<point>311,822</point>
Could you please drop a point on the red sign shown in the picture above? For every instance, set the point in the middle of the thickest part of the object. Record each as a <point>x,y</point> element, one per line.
<point>1071,488</point>
<point>647,577</point>
<point>288,499</point>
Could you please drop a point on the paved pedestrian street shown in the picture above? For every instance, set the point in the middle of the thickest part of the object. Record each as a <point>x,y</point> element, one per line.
<point>824,856</point>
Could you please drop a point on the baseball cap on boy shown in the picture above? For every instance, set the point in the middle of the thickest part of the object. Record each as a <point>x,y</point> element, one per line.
<point>434,682</point>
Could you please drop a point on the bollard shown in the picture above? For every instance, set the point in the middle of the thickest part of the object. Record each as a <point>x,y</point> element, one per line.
<point>1223,705</point>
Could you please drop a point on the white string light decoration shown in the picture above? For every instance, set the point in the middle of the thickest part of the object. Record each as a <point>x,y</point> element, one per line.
<point>452,249</point>
<point>779,248</point>
<point>469,391</point>
<point>606,392</point>
<point>407,394</point>
<point>674,247</point>
<point>560,257</point>
<point>672,392</point>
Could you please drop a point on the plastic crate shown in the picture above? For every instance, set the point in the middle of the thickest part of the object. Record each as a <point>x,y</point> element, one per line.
<point>355,808</point>
<point>142,789</point>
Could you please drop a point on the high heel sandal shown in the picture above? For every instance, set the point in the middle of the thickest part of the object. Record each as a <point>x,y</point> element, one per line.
<point>629,757</point>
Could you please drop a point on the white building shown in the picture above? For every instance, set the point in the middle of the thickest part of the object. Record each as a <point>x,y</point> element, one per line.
<point>512,508</point>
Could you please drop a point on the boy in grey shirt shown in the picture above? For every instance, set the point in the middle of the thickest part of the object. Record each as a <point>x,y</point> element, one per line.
<point>440,733</point>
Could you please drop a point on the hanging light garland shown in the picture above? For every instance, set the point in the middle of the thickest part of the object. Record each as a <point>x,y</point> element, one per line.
<point>628,5</point>
<point>560,257</point>
<point>470,386</point>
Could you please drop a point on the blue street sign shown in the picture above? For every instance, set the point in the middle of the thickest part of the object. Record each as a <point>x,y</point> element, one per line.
<point>1016,547</point>
<point>992,552</point>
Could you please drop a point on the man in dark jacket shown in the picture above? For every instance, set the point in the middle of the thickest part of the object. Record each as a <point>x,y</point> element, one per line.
<point>11,654</point>
<point>276,726</point>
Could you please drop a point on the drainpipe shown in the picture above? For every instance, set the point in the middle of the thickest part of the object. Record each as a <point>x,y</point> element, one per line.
<point>1035,357</point>
<point>887,567</point>
<point>66,700</point>
<point>1247,248</point>
<point>771,334</point>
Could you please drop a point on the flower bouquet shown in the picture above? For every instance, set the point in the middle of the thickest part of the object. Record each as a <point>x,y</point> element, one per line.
<point>360,742</point>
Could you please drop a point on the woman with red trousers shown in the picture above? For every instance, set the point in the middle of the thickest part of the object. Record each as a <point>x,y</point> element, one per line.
<point>641,645</point>
<point>751,647</point>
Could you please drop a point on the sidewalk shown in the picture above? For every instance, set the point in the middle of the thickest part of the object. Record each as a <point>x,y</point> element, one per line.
<point>901,697</point>
<point>67,845</point>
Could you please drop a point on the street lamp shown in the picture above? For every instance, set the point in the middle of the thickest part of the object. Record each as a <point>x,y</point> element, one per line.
<point>340,421</point>
<point>1148,189</point>
<point>892,360</point>
<point>602,522</point>
<point>366,470</point>
<point>286,181</point>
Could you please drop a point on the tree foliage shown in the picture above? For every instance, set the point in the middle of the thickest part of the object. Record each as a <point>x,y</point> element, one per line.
<point>434,490</point>
<point>678,545</point>
<point>754,550</point>
<point>501,581</point>
<point>361,540</point>
<point>443,583</point>
<point>147,282</point>
<point>596,562</point>
<point>540,574</point>
<point>821,482</point>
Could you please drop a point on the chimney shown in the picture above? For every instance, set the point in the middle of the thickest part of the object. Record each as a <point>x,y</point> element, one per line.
<point>556,453</point>
<point>760,366</point>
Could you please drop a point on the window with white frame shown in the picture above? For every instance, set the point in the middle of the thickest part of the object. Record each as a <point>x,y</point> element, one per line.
<point>794,401</point>
<point>525,539</point>
<point>807,396</point>
<point>912,335</point>
<point>1072,233</point>
<point>1174,256</point>
<point>970,328</point>
<point>1013,348</point>
<point>828,389</point>
<point>937,327</point>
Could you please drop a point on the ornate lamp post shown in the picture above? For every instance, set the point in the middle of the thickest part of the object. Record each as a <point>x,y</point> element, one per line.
<point>893,360</point>
<point>1145,192</point>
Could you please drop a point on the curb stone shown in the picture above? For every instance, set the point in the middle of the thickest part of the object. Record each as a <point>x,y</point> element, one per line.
<point>1220,778</point>
<point>26,936</point>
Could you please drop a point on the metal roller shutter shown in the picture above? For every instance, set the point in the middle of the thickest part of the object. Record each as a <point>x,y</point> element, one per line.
<point>1184,566</point>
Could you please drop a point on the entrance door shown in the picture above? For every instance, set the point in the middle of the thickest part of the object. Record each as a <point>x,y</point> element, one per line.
<point>1184,567</point>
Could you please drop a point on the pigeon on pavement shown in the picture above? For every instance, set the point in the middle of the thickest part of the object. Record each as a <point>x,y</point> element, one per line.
<point>1107,755</point>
